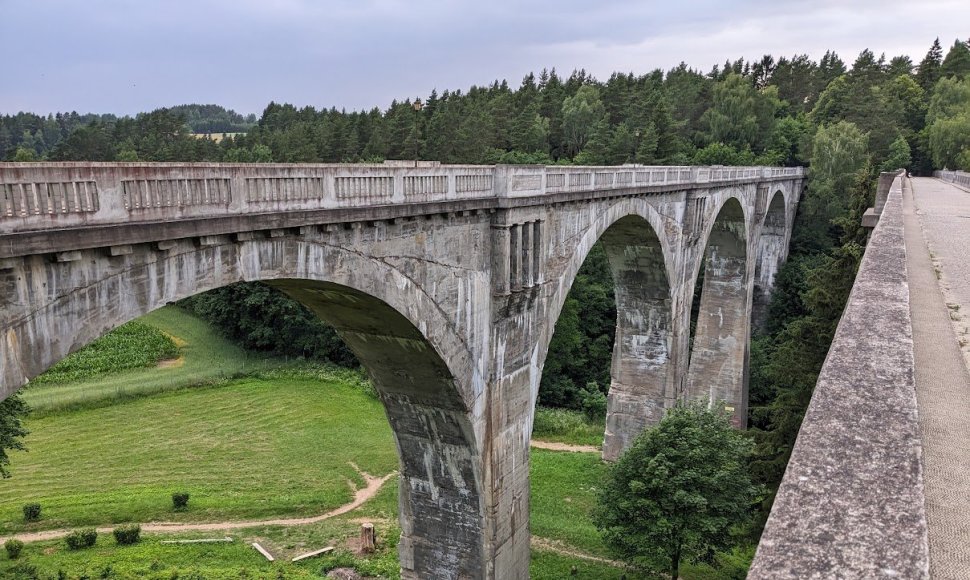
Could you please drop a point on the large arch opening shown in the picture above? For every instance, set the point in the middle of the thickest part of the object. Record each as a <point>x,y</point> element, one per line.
<point>640,355</point>
<point>772,249</point>
<point>415,362</point>
<point>716,371</point>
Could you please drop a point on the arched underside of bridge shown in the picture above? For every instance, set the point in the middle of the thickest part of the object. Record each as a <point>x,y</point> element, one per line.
<point>718,357</point>
<point>772,250</point>
<point>420,369</point>
<point>642,364</point>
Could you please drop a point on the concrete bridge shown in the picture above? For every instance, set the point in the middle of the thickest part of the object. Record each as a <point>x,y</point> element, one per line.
<point>446,281</point>
<point>878,485</point>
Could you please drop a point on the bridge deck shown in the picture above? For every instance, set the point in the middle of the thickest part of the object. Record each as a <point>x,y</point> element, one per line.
<point>937,226</point>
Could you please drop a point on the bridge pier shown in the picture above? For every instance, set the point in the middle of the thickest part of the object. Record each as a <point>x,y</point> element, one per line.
<point>641,351</point>
<point>717,372</point>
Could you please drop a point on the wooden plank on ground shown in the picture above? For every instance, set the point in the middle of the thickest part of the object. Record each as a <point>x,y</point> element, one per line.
<point>227,539</point>
<point>263,551</point>
<point>319,552</point>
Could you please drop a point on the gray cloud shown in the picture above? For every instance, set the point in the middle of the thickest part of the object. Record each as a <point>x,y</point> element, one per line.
<point>126,56</point>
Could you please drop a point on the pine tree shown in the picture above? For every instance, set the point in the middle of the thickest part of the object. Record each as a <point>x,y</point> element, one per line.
<point>957,62</point>
<point>928,71</point>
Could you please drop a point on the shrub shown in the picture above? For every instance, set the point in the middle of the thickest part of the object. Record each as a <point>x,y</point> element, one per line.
<point>31,512</point>
<point>180,500</point>
<point>127,534</point>
<point>79,539</point>
<point>593,402</point>
<point>13,548</point>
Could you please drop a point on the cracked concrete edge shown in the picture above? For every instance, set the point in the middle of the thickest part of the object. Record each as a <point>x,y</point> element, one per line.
<point>852,502</point>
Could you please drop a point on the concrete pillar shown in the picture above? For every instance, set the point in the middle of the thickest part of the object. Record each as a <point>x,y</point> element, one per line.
<point>501,261</point>
<point>641,360</point>
<point>515,258</point>
<point>527,255</point>
<point>718,357</point>
<point>537,252</point>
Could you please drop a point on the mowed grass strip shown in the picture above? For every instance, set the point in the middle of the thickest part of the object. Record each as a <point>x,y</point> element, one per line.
<point>251,449</point>
<point>564,488</point>
<point>205,357</point>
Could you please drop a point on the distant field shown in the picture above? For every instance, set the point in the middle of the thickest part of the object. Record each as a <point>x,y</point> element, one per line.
<point>204,356</point>
<point>217,137</point>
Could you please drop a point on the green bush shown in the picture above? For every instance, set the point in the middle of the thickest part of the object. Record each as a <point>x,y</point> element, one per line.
<point>79,539</point>
<point>180,500</point>
<point>127,534</point>
<point>13,548</point>
<point>593,402</point>
<point>31,512</point>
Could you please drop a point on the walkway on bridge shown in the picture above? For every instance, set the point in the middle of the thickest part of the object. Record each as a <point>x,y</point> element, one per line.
<point>937,229</point>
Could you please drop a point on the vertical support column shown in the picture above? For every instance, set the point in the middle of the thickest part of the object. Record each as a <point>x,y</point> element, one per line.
<point>515,255</point>
<point>527,276</point>
<point>719,355</point>
<point>537,252</point>
<point>501,251</point>
<point>641,351</point>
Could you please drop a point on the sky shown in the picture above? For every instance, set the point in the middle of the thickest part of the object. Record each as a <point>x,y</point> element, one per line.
<point>128,56</point>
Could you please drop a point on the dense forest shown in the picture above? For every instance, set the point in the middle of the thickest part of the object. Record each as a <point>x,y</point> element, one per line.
<point>846,122</point>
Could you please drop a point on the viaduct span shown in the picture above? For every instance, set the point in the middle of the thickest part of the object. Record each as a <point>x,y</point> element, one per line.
<point>446,281</point>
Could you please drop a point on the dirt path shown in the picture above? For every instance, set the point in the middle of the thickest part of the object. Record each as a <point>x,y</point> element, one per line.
<point>360,496</point>
<point>557,547</point>
<point>556,446</point>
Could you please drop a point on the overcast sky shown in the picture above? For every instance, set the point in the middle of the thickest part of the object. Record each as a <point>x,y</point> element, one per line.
<point>126,56</point>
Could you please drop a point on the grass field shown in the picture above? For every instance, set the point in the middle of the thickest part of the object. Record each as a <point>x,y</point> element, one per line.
<point>272,442</point>
<point>205,357</point>
<point>567,426</point>
<point>251,449</point>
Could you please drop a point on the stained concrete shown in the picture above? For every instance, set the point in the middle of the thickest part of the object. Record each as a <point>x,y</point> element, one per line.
<point>446,281</point>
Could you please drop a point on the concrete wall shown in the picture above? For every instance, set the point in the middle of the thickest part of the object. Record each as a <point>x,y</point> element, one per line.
<point>851,501</point>
<point>446,281</point>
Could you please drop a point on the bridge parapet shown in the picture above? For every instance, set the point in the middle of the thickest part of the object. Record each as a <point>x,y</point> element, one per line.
<point>960,178</point>
<point>43,196</point>
<point>851,504</point>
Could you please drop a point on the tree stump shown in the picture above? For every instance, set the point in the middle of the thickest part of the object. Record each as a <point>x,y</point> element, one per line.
<point>368,540</point>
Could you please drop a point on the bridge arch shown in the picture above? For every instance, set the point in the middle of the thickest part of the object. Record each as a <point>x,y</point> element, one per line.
<point>424,374</point>
<point>771,252</point>
<point>640,260</point>
<point>717,365</point>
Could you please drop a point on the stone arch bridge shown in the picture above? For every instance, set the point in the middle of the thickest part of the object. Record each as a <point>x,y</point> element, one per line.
<point>446,281</point>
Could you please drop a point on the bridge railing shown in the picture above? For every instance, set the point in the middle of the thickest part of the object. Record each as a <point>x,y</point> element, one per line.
<point>851,503</point>
<point>957,177</point>
<point>38,196</point>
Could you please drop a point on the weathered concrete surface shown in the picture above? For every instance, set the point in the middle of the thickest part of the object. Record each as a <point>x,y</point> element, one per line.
<point>937,238</point>
<point>446,281</point>
<point>851,504</point>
